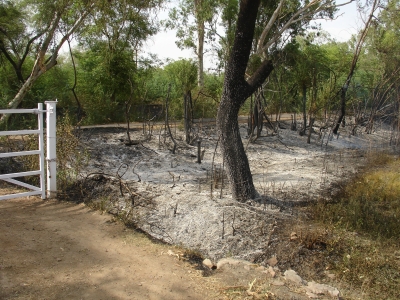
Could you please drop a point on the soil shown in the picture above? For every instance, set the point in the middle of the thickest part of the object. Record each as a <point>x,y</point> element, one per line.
<point>60,250</point>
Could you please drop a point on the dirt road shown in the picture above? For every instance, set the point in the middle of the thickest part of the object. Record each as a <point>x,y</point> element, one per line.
<point>55,250</point>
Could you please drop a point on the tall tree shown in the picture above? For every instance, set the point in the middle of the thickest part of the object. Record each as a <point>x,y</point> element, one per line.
<point>236,91</point>
<point>237,88</point>
<point>190,34</point>
<point>182,74</point>
<point>110,61</point>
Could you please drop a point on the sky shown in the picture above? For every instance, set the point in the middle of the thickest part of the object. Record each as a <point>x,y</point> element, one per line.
<point>342,28</point>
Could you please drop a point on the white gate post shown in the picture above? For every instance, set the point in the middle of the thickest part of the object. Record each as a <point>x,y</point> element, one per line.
<point>51,130</point>
<point>41,150</point>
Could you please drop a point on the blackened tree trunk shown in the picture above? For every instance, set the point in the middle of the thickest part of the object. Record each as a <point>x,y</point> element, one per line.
<point>188,118</point>
<point>304,108</point>
<point>342,112</point>
<point>236,91</point>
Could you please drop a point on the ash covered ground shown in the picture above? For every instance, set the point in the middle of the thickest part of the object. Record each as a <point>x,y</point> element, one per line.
<point>175,199</point>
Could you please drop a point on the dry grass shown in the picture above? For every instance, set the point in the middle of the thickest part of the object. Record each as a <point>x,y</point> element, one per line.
<point>364,218</point>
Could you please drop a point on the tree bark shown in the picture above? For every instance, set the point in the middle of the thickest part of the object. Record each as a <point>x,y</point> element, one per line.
<point>200,54</point>
<point>200,42</point>
<point>235,92</point>
<point>188,118</point>
<point>304,108</point>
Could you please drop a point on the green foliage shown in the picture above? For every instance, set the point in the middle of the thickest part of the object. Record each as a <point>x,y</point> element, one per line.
<point>187,16</point>
<point>182,74</point>
<point>106,83</point>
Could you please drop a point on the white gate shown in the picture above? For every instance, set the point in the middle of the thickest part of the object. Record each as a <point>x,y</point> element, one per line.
<point>51,153</point>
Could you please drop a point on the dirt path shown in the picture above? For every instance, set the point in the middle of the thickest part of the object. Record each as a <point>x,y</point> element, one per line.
<point>55,250</point>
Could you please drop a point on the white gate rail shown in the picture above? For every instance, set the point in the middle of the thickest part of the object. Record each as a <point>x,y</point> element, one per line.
<point>51,153</point>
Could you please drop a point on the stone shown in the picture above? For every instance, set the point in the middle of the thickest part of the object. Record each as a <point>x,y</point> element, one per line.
<point>270,271</point>
<point>293,236</point>
<point>277,283</point>
<point>311,295</point>
<point>322,289</point>
<point>229,261</point>
<point>208,263</point>
<point>330,275</point>
<point>260,268</point>
<point>272,261</point>
<point>292,276</point>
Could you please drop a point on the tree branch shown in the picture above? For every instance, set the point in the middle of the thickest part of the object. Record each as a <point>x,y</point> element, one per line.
<point>262,73</point>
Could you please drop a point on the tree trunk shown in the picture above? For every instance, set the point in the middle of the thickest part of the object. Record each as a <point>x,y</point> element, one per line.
<point>236,91</point>
<point>20,96</point>
<point>238,169</point>
<point>200,41</point>
<point>200,54</point>
<point>342,108</point>
<point>303,130</point>
<point>188,118</point>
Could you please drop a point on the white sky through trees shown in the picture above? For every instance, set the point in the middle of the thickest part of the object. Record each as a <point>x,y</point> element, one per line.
<point>163,44</point>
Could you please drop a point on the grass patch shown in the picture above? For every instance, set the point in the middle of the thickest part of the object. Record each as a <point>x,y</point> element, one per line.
<point>364,218</point>
<point>369,204</point>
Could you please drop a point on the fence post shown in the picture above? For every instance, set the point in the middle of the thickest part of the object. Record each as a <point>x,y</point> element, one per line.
<point>41,149</point>
<point>51,130</point>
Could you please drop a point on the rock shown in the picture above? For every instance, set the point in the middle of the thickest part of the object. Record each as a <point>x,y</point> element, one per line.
<point>260,268</point>
<point>293,277</point>
<point>330,275</point>
<point>272,261</point>
<point>293,236</point>
<point>270,271</point>
<point>311,295</point>
<point>277,282</point>
<point>229,261</point>
<point>322,289</point>
<point>208,263</point>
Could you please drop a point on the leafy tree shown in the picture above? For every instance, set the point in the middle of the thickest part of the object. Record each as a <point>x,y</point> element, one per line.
<point>190,34</point>
<point>183,74</point>
<point>46,27</point>
<point>309,70</point>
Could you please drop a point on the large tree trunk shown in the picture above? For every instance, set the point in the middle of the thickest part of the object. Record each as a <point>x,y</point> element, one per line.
<point>236,91</point>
